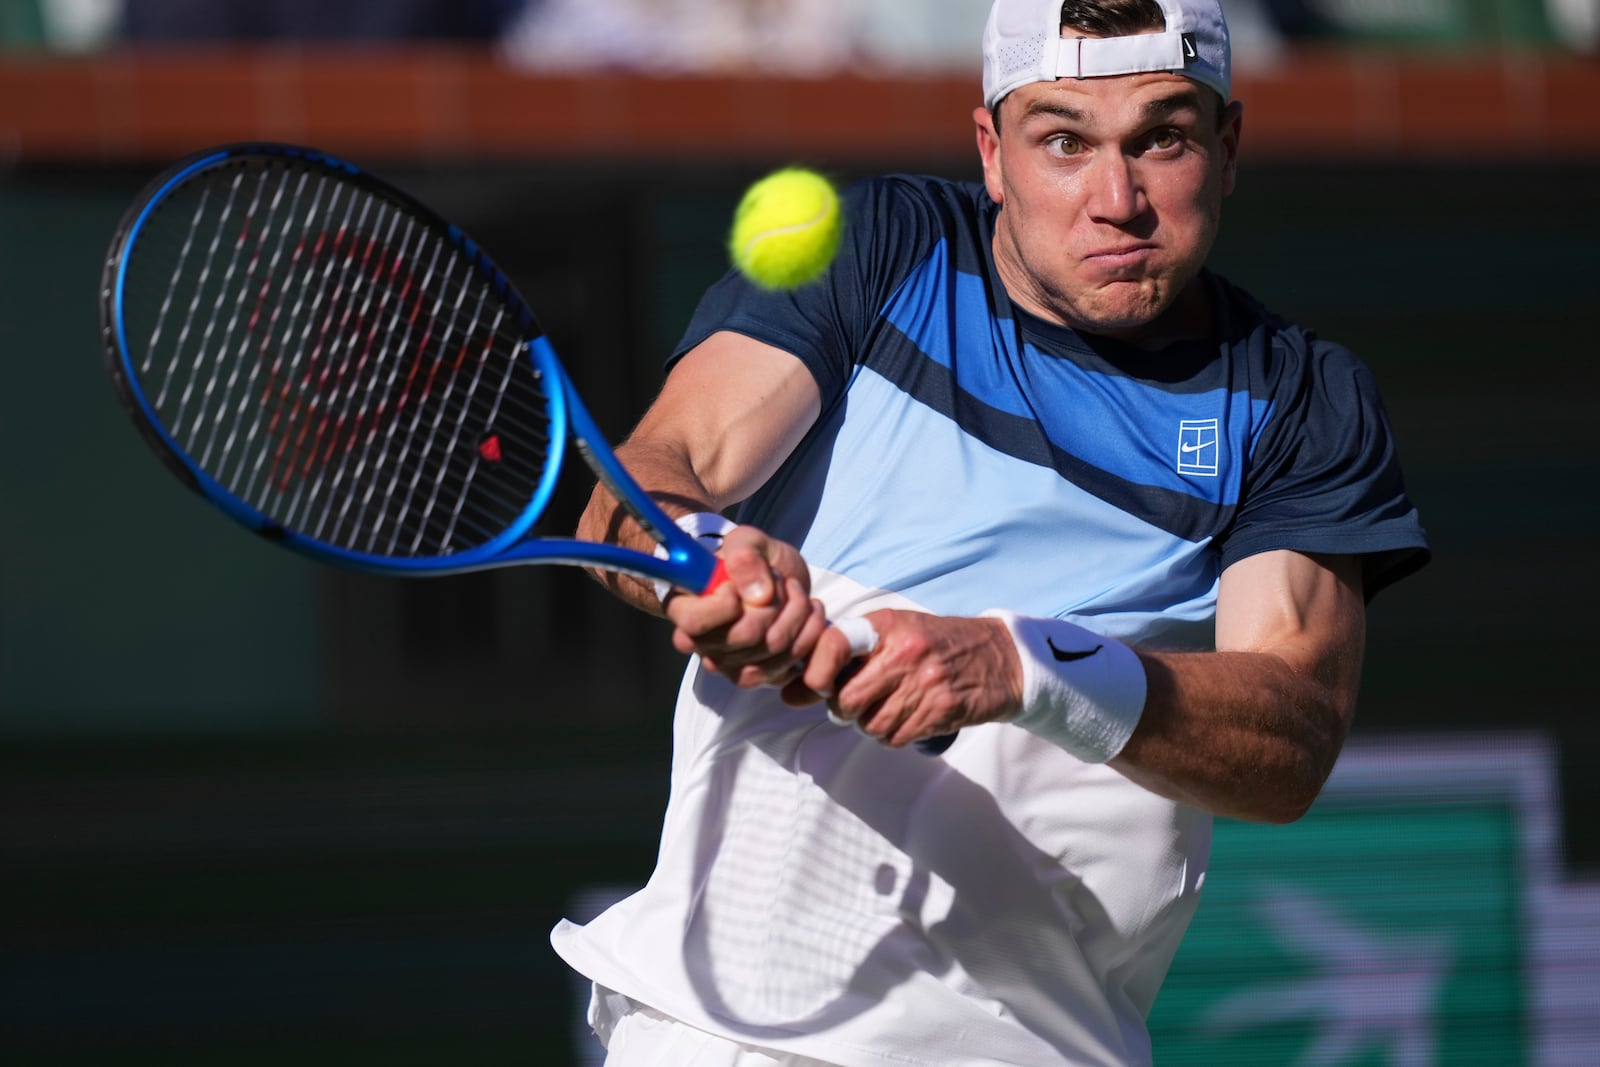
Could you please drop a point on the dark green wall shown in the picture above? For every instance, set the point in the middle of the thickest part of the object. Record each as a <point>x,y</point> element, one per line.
<point>125,607</point>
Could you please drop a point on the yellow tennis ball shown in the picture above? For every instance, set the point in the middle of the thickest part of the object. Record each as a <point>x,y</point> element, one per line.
<point>787,229</point>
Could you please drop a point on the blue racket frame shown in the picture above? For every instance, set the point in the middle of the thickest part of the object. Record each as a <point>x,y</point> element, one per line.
<point>687,564</point>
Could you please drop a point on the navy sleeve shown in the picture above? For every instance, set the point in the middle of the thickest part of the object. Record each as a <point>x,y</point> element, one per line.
<point>1325,476</point>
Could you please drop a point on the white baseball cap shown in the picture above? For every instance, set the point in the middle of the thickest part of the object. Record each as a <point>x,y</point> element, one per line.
<point>1022,43</point>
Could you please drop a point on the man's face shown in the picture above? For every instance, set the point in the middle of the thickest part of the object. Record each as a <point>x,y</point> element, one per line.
<point>1111,193</point>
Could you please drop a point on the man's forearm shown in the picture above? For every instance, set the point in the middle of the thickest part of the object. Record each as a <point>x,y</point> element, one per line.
<point>669,480</point>
<point>1240,734</point>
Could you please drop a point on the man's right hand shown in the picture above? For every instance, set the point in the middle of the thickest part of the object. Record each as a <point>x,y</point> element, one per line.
<point>759,627</point>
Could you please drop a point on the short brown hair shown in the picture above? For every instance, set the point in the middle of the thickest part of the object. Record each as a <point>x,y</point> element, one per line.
<point>1112,18</point>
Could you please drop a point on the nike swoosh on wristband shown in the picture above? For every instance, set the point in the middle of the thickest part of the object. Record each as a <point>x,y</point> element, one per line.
<point>1070,656</point>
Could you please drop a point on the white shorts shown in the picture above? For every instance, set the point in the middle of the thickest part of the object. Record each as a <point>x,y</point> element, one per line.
<point>640,1036</point>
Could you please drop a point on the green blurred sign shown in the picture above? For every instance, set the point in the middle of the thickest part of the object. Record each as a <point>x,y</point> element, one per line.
<point>1388,927</point>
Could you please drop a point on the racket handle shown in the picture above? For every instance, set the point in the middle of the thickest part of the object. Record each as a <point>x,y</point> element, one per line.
<point>861,634</point>
<point>863,638</point>
<point>719,577</point>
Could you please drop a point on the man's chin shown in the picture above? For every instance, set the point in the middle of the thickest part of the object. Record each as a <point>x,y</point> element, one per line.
<point>1126,305</point>
<point>1119,321</point>
<point>1152,331</point>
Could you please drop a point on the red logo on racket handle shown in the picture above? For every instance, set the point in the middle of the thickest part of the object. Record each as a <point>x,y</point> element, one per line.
<point>490,448</point>
<point>718,576</point>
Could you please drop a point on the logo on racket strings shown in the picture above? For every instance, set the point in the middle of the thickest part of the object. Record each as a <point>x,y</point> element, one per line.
<point>358,359</point>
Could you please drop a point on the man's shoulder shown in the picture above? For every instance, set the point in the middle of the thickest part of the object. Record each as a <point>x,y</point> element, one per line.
<point>903,226</point>
<point>1247,323</point>
<point>920,194</point>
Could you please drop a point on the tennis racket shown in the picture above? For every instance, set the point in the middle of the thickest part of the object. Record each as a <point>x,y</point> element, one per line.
<point>334,366</point>
<point>344,372</point>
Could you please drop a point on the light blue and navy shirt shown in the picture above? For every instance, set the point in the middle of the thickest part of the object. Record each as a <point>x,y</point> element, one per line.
<point>971,455</point>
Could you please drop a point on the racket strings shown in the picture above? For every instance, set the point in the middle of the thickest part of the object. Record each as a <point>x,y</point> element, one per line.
<point>232,396</point>
<point>337,364</point>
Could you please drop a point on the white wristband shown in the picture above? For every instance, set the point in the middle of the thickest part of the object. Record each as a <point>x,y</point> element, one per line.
<point>1080,690</point>
<point>707,527</point>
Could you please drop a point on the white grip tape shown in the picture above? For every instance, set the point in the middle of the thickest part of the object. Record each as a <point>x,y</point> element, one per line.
<point>1080,690</point>
<point>707,527</point>
<point>861,634</point>
<point>863,638</point>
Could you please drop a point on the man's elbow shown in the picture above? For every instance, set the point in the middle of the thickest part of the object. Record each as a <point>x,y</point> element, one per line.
<point>1297,784</point>
<point>1286,809</point>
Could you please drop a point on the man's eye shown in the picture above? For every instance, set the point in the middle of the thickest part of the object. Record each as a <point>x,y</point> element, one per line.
<point>1067,145</point>
<point>1165,139</point>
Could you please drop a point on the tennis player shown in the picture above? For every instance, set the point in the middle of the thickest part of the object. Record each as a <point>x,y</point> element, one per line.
<point>1115,525</point>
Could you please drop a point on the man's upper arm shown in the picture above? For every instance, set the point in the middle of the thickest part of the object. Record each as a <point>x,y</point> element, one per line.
<point>735,408</point>
<point>1307,610</point>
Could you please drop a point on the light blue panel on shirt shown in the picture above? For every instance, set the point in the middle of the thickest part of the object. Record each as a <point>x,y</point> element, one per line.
<point>909,503</point>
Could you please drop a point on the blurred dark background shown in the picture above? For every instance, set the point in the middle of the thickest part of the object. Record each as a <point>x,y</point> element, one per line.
<point>253,809</point>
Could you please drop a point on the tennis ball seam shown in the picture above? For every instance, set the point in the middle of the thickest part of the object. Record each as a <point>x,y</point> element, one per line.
<point>794,227</point>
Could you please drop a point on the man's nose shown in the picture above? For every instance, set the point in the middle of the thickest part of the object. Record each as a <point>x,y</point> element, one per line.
<point>1116,192</point>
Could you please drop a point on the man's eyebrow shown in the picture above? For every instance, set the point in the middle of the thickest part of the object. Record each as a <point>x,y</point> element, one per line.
<point>1184,99</point>
<point>1060,111</point>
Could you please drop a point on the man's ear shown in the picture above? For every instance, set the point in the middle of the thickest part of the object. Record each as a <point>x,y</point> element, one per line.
<point>1232,127</point>
<point>989,152</point>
